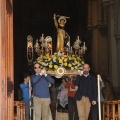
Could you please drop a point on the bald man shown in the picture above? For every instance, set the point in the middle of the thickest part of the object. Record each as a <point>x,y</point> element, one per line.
<point>86,93</point>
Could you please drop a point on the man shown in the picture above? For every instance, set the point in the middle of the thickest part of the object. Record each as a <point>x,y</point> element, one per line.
<point>72,107</point>
<point>41,99</point>
<point>86,93</point>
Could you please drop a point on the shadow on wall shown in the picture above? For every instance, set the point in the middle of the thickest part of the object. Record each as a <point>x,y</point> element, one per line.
<point>108,90</point>
<point>10,86</point>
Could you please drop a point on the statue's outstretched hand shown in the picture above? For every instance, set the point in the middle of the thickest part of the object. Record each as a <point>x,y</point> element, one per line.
<point>54,16</point>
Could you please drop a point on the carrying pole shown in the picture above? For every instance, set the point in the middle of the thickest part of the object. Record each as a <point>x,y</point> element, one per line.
<point>99,102</point>
<point>30,97</point>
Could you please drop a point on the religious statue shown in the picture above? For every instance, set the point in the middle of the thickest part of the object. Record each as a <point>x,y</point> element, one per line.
<point>61,33</point>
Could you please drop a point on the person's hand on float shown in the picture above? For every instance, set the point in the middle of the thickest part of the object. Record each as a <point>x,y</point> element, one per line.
<point>43,72</point>
<point>80,72</point>
<point>100,78</point>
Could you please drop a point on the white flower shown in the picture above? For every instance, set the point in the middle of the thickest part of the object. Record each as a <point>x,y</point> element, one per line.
<point>73,63</point>
<point>46,64</point>
<point>72,68</point>
<point>79,64</point>
<point>54,60</point>
<point>61,64</point>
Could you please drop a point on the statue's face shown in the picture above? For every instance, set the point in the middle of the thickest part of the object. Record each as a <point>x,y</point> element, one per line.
<point>62,21</point>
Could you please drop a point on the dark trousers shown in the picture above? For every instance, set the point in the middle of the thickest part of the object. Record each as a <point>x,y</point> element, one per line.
<point>93,112</point>
<point>53,110</point>
<point>27,111</point>
<point>72,109</point>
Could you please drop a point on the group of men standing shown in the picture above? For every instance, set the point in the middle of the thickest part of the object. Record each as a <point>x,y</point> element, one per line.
<point>82,93</point>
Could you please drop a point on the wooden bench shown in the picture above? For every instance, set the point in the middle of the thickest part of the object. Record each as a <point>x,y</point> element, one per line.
<point>111,110</point>
<point>19,110</point>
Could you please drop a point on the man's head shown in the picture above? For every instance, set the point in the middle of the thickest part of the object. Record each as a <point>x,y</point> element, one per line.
<point>26,78</point>
<point>37,68</point>
<point>86,69</point>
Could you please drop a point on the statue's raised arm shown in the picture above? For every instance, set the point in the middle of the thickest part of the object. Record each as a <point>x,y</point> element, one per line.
<point>61,33</point>
<point>55,21</point>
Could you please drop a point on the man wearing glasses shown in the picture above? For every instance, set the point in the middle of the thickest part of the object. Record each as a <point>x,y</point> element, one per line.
<point>40,82</point>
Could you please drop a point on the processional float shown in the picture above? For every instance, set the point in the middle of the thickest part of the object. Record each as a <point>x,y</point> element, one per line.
<point>58,64</point>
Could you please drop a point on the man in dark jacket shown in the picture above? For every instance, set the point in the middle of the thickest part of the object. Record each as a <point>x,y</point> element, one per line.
<point>86,93</point>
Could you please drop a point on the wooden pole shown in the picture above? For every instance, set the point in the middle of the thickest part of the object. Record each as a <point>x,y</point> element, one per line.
<point>30,97</point>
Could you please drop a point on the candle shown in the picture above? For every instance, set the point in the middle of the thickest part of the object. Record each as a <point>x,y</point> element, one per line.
<point>71,49</point>
<point>84,44</point>
<point>99,103</point>
<point>42,38</point>
<point>78,37</point>
<point>42,35</point>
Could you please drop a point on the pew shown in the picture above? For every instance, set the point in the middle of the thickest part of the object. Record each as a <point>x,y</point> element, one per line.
<point>19,110</point>
<point>111,110</point>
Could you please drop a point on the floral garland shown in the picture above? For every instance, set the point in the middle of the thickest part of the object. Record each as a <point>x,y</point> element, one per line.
<point>52,62</point>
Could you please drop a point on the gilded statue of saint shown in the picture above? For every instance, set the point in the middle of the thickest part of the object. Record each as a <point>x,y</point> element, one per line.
<point>61,33</point>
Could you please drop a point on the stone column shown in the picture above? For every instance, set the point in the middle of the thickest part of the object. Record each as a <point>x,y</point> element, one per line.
<point>114,45</point>
<point>118,61</point>
<point>89,13</point>
<point>117,36</point>
<point>99,18</point>
<point>99,39</point>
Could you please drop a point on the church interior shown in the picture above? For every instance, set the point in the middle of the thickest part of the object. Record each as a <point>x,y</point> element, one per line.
<point>96,22</point>
<point>36,18</point>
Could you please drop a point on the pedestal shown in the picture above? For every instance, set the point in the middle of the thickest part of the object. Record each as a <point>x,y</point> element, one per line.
<point>67,72</point>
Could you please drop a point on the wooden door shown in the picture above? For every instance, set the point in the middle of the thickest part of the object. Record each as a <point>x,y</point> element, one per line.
<point>6,60</point>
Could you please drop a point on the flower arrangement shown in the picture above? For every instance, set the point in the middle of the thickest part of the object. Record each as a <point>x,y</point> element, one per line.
<point>52,62</point>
